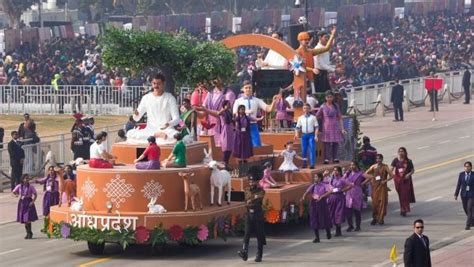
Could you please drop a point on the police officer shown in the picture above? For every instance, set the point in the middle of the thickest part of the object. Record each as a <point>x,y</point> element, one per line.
<point>255,220</point>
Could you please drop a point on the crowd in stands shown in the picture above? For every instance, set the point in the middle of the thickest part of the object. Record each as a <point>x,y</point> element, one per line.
<point>365,53</point>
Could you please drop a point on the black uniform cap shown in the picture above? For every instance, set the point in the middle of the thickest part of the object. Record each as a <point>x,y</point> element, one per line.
<point>255,173</point>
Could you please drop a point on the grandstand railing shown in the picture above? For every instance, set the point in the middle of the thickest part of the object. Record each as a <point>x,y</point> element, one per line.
<point>364,99</point>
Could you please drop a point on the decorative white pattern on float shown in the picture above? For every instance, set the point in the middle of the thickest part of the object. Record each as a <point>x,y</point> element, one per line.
<point>152,189</point>
<point>118,191</point>
<point>103,222</point>
<point>88,189</point>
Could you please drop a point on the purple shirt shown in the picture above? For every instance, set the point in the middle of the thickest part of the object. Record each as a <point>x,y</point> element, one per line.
<point>317,189</point>
<point>25,190</point>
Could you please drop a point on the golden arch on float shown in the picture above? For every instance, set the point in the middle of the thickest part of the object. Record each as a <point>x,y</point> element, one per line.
<point>282,48</point>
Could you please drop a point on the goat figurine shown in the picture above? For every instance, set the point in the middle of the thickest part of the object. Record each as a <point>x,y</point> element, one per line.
<point>219,179</point>
<point>191,190</point>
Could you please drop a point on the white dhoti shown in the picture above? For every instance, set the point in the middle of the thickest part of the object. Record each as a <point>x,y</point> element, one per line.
<point>139,136</point>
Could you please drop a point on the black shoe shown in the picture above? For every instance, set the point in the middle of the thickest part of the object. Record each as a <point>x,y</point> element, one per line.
<point>316,240</point>
<point>336,161</point>
<point>258,258</point>
<point>395,120</point>
<point>467,228</point>
<point>312,167</point>
<point>326,161</point>
<point>27,236</point>
<point>381,222</point>
<point>466,103</point>
<point>243,254</point>
<point>338,234</point>
<point>357,229</point>
<point>328,234</point>
<point>402,213</point>
<point>350,229</point>
<point>373,222</point>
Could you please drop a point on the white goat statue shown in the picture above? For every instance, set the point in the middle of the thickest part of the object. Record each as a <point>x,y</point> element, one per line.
<point>219,179</point>
<point>155,208</point>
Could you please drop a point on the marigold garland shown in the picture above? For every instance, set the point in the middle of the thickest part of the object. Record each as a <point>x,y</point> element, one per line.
<point>272,216</point>
<point>50,228</point>
<point>176,232</point>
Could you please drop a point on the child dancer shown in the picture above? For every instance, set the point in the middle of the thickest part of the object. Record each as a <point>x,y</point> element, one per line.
<point>319,212</point>
<point>267,180</point>
<point>288,167</point>
<point>26,212</point>
<point>51,195</point>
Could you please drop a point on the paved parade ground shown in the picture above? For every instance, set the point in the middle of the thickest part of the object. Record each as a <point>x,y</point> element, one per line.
<point>438,150</point>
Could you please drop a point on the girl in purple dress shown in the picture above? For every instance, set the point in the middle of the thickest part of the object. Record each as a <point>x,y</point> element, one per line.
<point>227,129</point>
<point>337,200</point>
<point>355,196</point>
<point>51,195</point>
<point>319,212</point>
<point>333,129</point>
<point>282,115</point>
<point>243,148</point>
<point>26,212</point>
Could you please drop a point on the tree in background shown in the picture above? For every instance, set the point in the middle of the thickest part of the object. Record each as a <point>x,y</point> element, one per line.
<point>14,9</point>
<point>182,59</point>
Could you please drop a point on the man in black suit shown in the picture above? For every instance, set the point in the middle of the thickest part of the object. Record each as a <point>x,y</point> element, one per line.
<point>466,84</point>
<point>397,99</point>
<point>466,186</point>
<point>17,158</point>
<point>417,247</point>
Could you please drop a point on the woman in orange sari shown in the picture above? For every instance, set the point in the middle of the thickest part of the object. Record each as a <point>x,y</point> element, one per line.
<point>402,169</point>
<point>381,174</point>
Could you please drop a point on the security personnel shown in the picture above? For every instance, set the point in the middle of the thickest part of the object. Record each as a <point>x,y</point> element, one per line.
<point>254,221</point>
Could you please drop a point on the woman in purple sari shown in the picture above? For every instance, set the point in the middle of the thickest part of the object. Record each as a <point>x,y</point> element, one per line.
<point>355,196</point>
<point>333,130</point>
<point>214,102</point>
<point>319,212</point>
<point>337,199</point>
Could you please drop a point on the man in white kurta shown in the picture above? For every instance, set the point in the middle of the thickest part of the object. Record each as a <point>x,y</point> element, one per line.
<point>162,116</point>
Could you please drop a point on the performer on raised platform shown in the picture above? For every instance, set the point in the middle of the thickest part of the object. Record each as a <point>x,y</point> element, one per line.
<point>267,180</point>
<point>100,158</point>
<point>287,166</point>
<point>162,115</point>
<point>252,105</point>
<point>152,152</point>
<point>26,212</point>
<point>307,54</point>
<point>227,128</point>
<point>307,125</point>
<point>177,158</point>
<point>319,213</point>
<point>273,60</point>
<point>254,221</point>
<point>243,144</point>
<point>214,102</point>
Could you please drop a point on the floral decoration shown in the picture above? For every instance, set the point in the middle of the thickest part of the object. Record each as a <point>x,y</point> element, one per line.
<point>176,232</point>
<point>272,216</point>
<point>297,65</point>
<point>142,235</point>
<point>203,232</point>
<point>65,230</point>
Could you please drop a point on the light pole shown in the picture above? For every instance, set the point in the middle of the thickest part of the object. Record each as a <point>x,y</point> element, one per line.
<point>40,17</point>
<point>306,11</point>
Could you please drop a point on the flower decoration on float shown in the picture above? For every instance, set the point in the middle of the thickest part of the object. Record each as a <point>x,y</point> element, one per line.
<point>297,65</point>
<point>176,232</point>
<point>65,230</point>
<point>142,235</point>
<point>272,216</point>
<point>203,232</point>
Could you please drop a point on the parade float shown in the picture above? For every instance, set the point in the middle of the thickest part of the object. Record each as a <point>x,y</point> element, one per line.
<point>129,206</point>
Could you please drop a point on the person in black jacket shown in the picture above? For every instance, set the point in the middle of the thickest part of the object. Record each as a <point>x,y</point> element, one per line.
<point>417,247</point>
<point>466,187</point>
<point>466,84</point>
<point>397,99</point>
<point>17,158</point>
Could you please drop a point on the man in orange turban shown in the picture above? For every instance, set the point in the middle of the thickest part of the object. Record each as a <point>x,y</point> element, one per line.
<point>307,54</point>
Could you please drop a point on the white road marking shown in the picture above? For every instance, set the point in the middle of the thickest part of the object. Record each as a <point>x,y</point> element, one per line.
<point>422,147</point>
<point>444,142</point>
<point>10,251</point>
<point>433,199</point>
<point>464,137</point>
